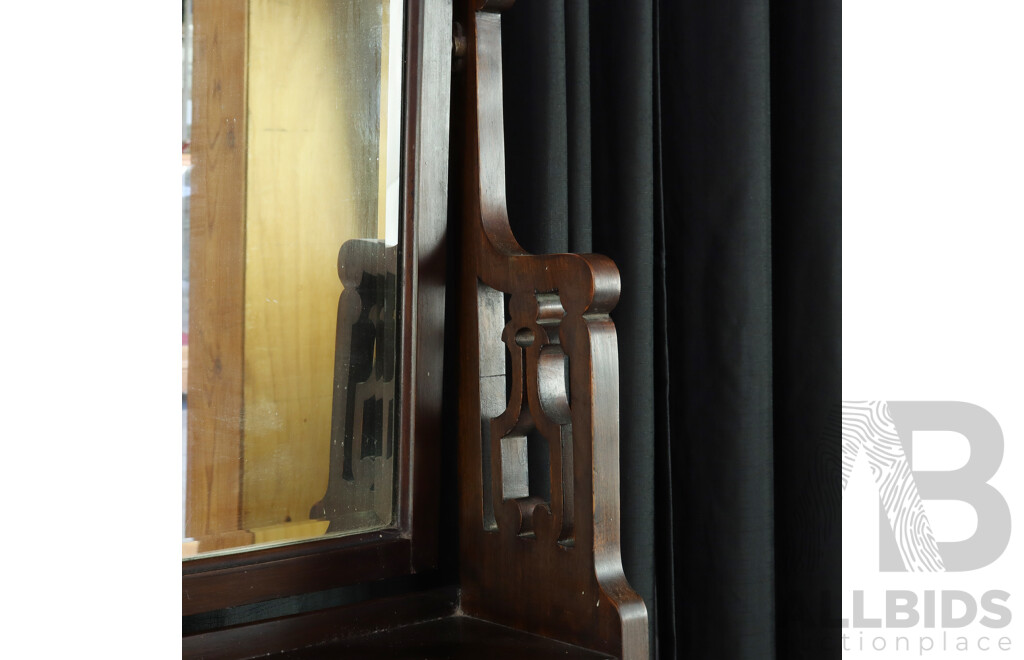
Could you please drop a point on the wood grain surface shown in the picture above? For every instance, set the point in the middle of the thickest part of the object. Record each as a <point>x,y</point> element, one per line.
<point>217,270</point>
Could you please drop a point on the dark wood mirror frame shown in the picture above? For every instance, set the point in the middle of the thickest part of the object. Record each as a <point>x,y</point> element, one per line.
<point>539,566</point>
<point>411,544</point>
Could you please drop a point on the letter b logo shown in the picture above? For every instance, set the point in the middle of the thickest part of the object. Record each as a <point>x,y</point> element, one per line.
<point>883,430</point>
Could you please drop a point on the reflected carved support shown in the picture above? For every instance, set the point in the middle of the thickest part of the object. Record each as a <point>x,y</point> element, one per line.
<point>360,482</point>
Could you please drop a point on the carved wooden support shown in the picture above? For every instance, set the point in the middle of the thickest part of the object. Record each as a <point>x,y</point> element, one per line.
<point>359,490</point>
<point>539,441</point>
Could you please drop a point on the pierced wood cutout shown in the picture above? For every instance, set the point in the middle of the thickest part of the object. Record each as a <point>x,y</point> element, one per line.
<point>537,415</point>
<point>360,483</point>
<point>539,552</point>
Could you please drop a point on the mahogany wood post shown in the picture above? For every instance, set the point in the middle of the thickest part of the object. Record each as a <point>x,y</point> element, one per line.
<point>538,553</point>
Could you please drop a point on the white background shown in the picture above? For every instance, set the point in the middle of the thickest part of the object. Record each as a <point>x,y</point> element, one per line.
<point>933,166</point>
<point>933,268</point>
<point>90,261</point>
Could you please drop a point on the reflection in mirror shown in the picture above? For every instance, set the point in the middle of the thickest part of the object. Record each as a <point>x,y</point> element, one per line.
<point>291,146</point>
<point>359,487</point>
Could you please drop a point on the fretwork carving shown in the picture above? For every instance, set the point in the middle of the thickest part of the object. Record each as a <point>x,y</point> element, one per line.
<point>538,434</point>
<point>536,421</point>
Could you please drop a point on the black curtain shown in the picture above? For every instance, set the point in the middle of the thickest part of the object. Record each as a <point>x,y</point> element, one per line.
<point>697,143</point>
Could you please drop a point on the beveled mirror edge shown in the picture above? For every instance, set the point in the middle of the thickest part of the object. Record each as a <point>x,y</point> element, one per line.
<point>217,582</point>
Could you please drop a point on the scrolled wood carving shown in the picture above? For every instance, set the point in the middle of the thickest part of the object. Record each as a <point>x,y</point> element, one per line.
<point>539,552</point>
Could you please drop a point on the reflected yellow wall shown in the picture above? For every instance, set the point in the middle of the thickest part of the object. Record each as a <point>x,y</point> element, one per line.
<point>312,184</point>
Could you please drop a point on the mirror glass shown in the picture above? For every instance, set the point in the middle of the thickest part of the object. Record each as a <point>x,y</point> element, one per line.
<point>291,133</point>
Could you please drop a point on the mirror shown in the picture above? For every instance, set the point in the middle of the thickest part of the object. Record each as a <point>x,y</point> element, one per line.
<point>291,152</point>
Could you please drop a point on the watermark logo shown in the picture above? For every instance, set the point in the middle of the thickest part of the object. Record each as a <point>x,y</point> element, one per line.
<point>943,620</point>
<point>882,430</point>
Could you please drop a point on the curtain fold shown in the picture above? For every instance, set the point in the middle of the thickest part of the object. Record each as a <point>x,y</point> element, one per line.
<point>697,143</point>
<point>807,313</point>
<point>716,173</point>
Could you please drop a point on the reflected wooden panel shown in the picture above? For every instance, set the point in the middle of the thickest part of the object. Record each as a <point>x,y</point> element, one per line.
<point>217,275</point>
<point>293,159</point>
